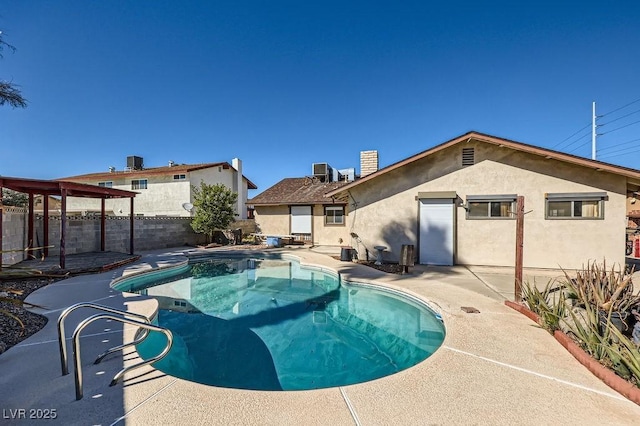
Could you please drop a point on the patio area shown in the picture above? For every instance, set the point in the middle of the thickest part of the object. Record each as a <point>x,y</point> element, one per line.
<point>494,367</point>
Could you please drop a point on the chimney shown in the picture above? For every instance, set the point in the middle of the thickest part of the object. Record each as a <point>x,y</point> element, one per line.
<point>368,162</point>
<point>238,186</point>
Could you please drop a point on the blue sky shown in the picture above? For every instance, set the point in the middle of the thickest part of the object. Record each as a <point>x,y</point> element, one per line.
<point>284,84</point>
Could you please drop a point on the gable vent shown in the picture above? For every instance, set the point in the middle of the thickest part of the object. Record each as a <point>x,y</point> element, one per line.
<point>468,157</point>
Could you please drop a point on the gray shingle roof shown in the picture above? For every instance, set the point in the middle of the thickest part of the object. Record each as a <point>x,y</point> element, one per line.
<point>305,190</point>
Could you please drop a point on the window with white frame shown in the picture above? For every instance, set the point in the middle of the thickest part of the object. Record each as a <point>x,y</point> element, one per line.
<point>107,184</point>
<point>575,205</point>
<point>179,177</point>
<point>491,206</point>
<point>139,184</point>
<point>334,215</point>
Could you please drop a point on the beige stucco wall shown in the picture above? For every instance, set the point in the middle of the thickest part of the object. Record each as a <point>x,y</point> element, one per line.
<point>164,196</point>
<point>328,235</point>
<point>275,220</point>
<point>387,211</point>
<point>272,219</point>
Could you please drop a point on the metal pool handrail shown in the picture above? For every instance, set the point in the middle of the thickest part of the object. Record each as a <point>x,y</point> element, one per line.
<point>62,341</point>
<point>118,376</point>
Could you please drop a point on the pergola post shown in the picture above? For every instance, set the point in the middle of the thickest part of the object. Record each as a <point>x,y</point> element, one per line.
<point>45,224</point>
<point>131,229</point>
<point>1,227</point>
<point>102,225</point>
<point>63,226</point>
<point>30,242</point>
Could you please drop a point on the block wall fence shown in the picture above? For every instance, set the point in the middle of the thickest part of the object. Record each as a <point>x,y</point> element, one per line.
<point>14,234</point>
<point>83,233</point>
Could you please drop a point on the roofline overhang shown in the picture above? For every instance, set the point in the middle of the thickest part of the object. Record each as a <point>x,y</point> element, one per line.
<point>503,143</point>
<point>56,187</point>
<point>159,171</point>
<point>301,203</point>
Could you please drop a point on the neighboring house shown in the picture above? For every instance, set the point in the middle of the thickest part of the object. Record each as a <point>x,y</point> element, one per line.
<point>162,191</point>
<point>298,207</point>
<point>456,201</point>
<point>53,204</point>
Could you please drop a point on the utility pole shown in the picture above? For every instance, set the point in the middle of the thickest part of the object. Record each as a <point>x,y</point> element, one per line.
<point>593,133</point>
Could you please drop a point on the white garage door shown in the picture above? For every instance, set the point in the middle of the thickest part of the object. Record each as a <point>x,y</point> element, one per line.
<point>301,219</point>
<point>436,231</point>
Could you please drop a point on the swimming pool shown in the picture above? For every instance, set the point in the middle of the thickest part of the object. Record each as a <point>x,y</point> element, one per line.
<point>272,324</point>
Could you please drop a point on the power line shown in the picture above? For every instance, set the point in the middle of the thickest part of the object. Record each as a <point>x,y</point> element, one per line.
<point>560,143</point>
<point>618,109</point>
<point>618,154</point>
<point>566,148</point>
<point>619,145</point>
<point>623,150</point>
<point>579,146</point>
<point>619,118</point>
<point>621,127</point>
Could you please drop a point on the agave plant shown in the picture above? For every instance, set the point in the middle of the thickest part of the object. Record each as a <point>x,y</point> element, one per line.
<point>583,321</point>
<point>624,356</point>
<point>607,290</point>
<point>549,303</point>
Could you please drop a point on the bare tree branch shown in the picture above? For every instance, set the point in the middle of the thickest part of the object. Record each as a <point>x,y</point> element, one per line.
<point>9,93</point>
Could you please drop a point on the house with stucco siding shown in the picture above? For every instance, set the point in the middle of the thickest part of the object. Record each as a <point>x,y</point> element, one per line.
<point>455,203</point>
<point>297,208</point>
<point>162,191</point>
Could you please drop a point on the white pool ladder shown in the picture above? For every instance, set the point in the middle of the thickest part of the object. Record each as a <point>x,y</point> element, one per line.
<point>113,314</point>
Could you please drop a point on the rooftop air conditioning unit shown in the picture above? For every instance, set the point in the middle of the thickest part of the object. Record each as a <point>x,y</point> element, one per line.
<point>134,162</point>
<point>322,171</point>
<point>348,175</point>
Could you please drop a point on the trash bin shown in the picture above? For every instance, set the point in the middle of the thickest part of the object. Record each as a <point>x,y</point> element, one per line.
<point>346,254</point>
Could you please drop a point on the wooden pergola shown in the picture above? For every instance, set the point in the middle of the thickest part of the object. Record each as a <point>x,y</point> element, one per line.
<point>63,189</point>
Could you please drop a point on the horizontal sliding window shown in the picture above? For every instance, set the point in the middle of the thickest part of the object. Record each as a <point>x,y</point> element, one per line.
<point>139,184</point>
<point>108,184</point>
<point>490,206</point>
<point>587,205</point>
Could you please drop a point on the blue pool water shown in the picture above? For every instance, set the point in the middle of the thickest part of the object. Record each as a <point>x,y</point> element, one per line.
<point>271,324</point>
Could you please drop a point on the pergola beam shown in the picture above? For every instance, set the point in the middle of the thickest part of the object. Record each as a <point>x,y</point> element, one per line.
<point>63,189</point>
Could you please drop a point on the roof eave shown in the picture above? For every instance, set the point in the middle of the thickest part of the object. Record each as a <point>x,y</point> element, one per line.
<point>480,137</point>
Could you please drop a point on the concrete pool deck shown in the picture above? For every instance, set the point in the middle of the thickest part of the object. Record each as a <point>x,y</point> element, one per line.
<point>494,367</point>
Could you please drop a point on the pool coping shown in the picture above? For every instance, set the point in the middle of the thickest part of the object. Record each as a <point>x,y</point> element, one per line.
<point>497,381</point>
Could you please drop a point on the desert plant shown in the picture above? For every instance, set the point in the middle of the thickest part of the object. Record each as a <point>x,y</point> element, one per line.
<point>607,290</point>
<point>583,322</point>
<point>624,356</point>
<point>549,303</point>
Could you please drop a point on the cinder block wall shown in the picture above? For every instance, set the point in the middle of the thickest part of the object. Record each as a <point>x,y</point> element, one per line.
<point>14,234</point>
<point>83,233</point>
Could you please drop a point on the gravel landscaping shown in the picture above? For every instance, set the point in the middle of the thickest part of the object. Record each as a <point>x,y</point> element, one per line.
<point>11,331</point>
